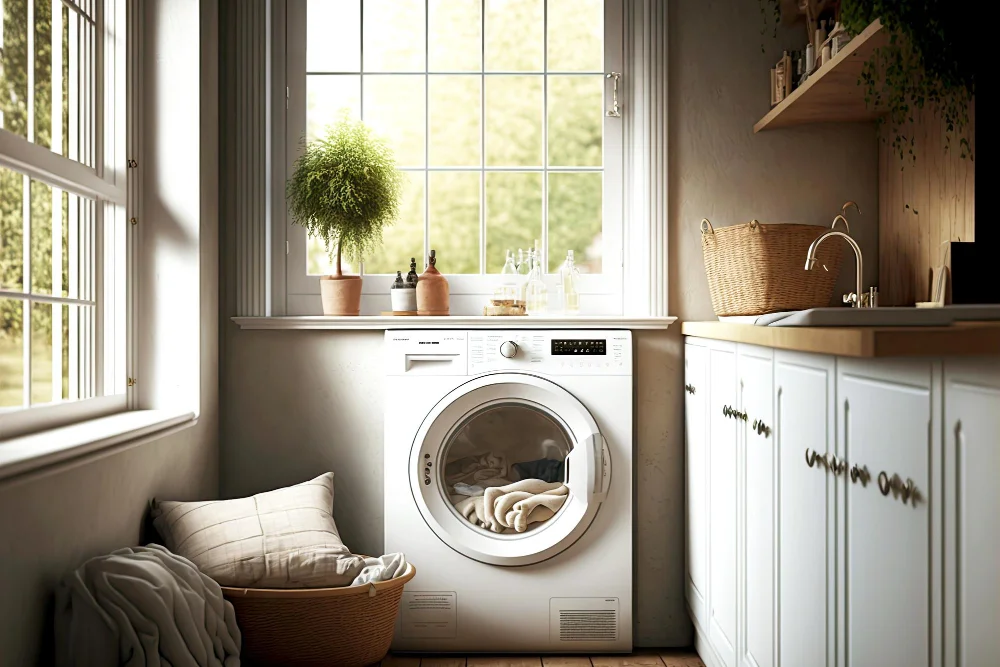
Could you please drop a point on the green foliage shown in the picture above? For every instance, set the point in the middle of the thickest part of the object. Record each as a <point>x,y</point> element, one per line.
<point>928,61</point>
<point>346,189</point>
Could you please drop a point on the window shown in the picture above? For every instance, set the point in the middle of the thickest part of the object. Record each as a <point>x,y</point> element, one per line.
<point>496,112</point>
<point>63,199</point>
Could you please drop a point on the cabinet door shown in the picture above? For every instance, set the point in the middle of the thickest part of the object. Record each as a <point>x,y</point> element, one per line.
<point>696,457</point>
<point>972,463</point>
<point>723,502</point>
<point>758,533</point>
<point>804,421</point>
<point>885,409</point>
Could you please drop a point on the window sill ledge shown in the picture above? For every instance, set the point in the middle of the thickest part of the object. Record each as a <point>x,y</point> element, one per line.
<point>27,453</point>
<point>382,322</point>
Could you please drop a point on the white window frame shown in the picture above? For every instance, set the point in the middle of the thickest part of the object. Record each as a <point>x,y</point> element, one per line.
<point>603,292</point>
<point>108,184</point>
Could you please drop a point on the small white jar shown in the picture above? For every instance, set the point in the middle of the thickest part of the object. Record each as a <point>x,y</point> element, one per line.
<point>404,299</point>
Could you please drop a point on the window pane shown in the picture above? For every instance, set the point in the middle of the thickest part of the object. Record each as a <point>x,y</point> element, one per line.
<point>327,54</point>
<point>394,36</point>
<point>41,353</point>
<point>514,121</point>
<point>11,230</point>
<point>454,224</point>
<point>576,121</point>
<point>513,214</point>
<point>326,97</point>
<point>394,108</point>
<point>13,74</point>
<point>405,239</point>
<point>41,237</point>
<point>575,217</point>
<point>11,353</point>
<point>318,261</point>
<point>455,40</point>
<point>576,35</point>
<point>514,35</point>
<point>456,114</point>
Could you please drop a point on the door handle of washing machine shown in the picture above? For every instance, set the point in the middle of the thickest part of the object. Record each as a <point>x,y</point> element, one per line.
<point>602,468</point>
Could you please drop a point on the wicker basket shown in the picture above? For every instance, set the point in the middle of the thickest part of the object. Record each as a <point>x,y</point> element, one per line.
<point>347,627</point>
<point>755,269</point>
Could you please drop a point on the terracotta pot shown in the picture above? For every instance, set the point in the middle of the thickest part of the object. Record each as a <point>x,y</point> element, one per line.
<point>341,295</point>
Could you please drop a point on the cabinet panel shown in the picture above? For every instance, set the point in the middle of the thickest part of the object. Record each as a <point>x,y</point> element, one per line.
<point>972,440</point>
<point>696,457</point>
<point>759,463</point>
<point>804,390</point>
<point>886,417</point>
<point>722,503</point>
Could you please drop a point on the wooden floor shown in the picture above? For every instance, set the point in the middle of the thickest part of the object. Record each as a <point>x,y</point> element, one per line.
<point>664,658</point>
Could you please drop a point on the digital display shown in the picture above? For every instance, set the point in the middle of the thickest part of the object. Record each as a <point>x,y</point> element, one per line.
<point>579,347</point>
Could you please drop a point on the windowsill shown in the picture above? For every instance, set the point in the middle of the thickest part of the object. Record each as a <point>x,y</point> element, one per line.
<point>382,322</point>
<point>26,453</point>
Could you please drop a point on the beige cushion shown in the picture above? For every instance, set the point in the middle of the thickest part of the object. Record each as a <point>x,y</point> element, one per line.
<point>280,539</point>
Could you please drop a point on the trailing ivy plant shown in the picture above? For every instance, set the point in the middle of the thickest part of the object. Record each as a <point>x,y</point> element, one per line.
<point>927,62</point>
<point>345,189</point>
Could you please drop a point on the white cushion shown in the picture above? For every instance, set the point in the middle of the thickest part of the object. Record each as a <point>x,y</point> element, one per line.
<point>285,538</point>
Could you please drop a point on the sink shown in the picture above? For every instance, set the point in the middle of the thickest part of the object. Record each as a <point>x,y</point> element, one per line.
<point>880,317</point>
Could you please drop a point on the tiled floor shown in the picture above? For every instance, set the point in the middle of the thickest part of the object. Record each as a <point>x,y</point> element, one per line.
<point>664,658</point>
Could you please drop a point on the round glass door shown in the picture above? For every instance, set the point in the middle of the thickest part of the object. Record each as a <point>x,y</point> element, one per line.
<point>509,469</point>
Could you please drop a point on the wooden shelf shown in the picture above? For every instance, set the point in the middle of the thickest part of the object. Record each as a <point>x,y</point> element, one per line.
<point>831,94</point>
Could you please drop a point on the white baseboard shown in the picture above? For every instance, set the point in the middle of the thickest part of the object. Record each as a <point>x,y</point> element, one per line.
<point>702,645</point>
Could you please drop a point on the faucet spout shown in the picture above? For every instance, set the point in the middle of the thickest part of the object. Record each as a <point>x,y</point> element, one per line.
<point>814,246</point>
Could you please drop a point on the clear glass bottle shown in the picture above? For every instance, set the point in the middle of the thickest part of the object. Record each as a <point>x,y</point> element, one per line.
<point>523,269</point>
<point>509,289</point>
<point>569,285</point>
<point>536,294</point>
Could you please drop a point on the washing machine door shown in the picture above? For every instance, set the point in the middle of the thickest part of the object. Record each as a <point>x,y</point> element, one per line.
<point>498,428</point>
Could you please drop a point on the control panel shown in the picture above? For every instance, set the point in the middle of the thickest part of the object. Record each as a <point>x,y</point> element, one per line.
<point>551,352</point>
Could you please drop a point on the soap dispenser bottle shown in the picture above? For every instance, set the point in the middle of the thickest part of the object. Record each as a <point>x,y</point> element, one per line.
<point>432,290</point>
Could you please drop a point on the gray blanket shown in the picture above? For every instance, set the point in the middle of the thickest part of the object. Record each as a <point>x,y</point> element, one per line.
<point>144,607</point>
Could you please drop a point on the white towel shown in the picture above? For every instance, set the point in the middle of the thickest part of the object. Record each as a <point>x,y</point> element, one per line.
<point>539,507</point>
<point>382,568</point>
<point>144,606</point>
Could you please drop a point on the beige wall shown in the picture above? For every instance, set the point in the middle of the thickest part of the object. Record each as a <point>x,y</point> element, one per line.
<point>54,519</point>
<point>298,403</point>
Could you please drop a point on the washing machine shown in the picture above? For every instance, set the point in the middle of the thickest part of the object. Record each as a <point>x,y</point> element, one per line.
<point>551,405</point>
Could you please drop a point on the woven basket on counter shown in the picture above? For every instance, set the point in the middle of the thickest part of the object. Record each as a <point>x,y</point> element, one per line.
<point>754,269</point>
<point>347,627</point>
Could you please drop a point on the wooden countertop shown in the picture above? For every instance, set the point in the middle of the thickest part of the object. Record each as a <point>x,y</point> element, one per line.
<point>960,339</point>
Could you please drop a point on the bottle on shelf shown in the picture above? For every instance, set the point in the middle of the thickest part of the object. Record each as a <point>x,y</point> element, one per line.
<point>508,290</point>
<point>569,286</point>
<point>523,269</point>
<point>536,294</point>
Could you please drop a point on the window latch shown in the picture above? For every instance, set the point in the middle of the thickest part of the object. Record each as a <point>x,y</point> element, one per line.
<point>615,110</point>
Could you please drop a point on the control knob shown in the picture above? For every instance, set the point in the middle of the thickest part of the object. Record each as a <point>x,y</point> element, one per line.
<point>508,349</point>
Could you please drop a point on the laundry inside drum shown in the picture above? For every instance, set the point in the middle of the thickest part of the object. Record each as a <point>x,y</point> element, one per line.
<point>505,468</point>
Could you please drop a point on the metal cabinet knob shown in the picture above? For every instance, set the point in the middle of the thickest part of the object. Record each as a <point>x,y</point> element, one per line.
<point>810,457</point>
<point>883,483</point>
<point>859,474</point>
<point>838,465</point>
<point>690,389</point>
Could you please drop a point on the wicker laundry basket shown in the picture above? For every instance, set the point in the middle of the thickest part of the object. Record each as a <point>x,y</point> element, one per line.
<point>347,627</point>
<point>754,269</point>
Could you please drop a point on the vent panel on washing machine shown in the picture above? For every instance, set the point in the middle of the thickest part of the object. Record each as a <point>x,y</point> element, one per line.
<point>583,620</point>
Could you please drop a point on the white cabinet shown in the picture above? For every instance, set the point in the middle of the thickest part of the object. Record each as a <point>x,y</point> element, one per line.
<point>972,540</point>
<point>696,437</point>
<point>805,428</point>
<point>758,466</point>
<point>723,497</point>
<point>797,555</point>
<point>886,410</point>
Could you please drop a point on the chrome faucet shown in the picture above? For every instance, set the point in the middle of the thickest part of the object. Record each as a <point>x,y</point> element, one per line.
<point>857,299</point>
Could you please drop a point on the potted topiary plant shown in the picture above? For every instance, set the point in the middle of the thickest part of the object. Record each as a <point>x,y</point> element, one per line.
<point>345,190</point>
